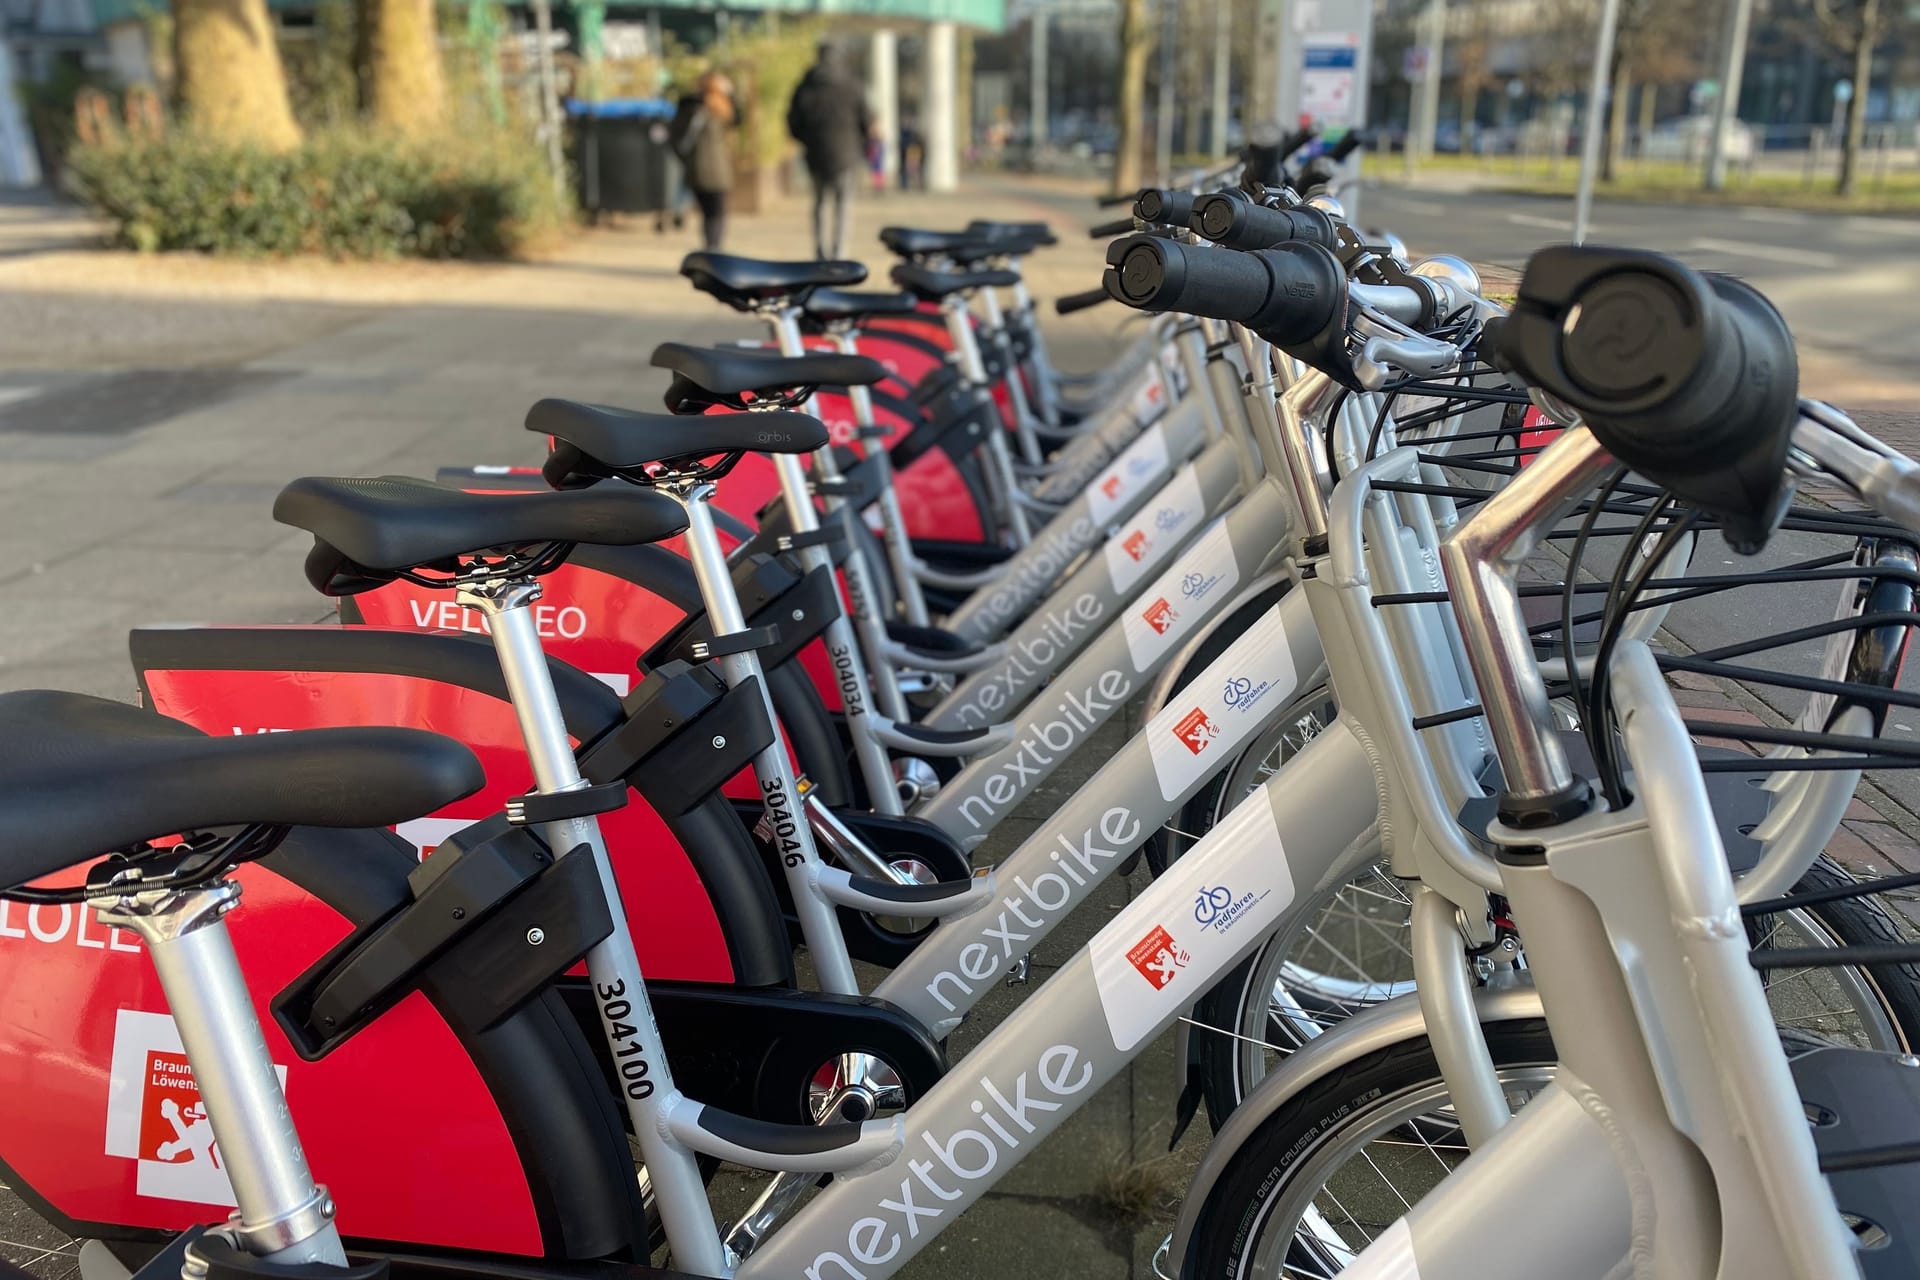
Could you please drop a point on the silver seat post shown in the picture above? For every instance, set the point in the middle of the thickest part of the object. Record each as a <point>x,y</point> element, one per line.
<point>613,967</point>
<point>283,1214</point>
<point>1045,394</point>
<point>893,522</point>
<point>849,670</point>
<point>871,661</point>
<point>781,796</point>
<point>1000,460</point>
<point>1030,450</point>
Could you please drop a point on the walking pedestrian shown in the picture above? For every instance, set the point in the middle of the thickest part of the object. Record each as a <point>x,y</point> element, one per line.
<point>829,118</point>
<point>702,136</point>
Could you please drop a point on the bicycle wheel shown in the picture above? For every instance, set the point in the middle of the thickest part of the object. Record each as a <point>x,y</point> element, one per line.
<point>1347,1157</point>
<point>1350,947</point>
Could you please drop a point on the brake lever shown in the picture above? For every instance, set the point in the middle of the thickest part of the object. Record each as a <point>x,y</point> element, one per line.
<point>1830,445</point>
<point>1383,353</point>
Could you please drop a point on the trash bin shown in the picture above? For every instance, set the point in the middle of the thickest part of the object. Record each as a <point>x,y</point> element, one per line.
<point>622,163</point>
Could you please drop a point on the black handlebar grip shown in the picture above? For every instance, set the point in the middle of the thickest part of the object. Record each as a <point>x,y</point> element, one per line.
<point>1265,158</point>
<point>1296,140</point>
<point>1169,207</point>
<point>1108,230</point>
<point>1288,294</point>
<point>1691,380</point>
<point>1231,219</point>
<point>1352,142</point>
<point>1080,301</point>
<point>1115,201</point>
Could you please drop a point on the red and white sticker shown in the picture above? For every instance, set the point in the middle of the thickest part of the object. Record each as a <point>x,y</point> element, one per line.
<point>1149,402</point>
<point>1134,472</point>
<point>1221,708</point>
<point>155,1115</point>
<point>425,834</point>
<point>1198,580</point>
<point>1157,957</point>
<point>1156,530</point>
<point>1537,431</point>
<point>1195,730</point>
<point>1174,941</point>
<point>1159,615</point>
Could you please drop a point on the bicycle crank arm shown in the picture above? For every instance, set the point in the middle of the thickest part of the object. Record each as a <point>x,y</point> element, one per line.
<point>905,656</point>
<point>955,581</point>
<point>921,901</point>
<point>940,742</point>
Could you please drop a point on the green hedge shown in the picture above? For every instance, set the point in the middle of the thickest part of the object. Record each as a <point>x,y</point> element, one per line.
<point>346,194</point>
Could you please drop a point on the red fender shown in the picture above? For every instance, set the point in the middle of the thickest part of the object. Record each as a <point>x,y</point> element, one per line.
<point>89,1058</point>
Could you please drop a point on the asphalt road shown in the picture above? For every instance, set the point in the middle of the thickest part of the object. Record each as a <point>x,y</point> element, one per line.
<point>1846,284</point>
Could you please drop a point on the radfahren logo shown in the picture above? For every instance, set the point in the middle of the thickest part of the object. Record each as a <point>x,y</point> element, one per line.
<point>1216,907</point>
<point>1241,693</point>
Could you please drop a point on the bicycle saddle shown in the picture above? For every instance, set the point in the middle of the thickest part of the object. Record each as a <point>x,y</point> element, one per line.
<point>387,524</point>
<point>744,283</point>
<point>725,375</point>
<point>83,776</point>
<point>1030,235</point>
<point>912,242</point>
<point>924,282</point>
<point>620,439</point>
<point>841,304</point>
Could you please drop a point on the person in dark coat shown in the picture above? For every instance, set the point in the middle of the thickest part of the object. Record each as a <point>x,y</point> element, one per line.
<point>830,120</point>
<point>702,136</point>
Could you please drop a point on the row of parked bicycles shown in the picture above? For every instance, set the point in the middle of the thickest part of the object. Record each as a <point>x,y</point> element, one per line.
<point>631,821</point>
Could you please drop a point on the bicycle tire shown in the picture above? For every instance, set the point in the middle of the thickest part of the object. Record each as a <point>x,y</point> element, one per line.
<point>1226,1227</point>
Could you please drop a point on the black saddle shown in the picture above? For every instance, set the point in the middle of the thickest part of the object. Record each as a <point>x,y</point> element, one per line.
<point>1027,236</point>
<point>745,283</point>
<point>365,531</point>
<point>621,440</point>
<point>706,376</point>
<point>85,776</point>
<point>924,282</point>
<point>829,305</point>
<point>915,243</point>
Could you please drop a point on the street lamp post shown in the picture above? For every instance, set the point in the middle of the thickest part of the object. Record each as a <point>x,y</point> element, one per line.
<point>1726,110</point>
<point>1596,110</point>
<point>1037,82</point>
<point>1163,121</point>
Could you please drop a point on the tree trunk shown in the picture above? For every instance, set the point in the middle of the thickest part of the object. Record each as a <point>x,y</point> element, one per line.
<point>405,86</point>
<point>963,93</point>
<point>1857,105</point>
<point>1616,144</point>
<point>227,69</point>
<point>1135,40</point>
<point>1649,103</point>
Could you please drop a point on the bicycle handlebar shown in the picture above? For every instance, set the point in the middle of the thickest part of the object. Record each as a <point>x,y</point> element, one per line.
<point>1108,230</point>
<point>1237,222</point>
<point>1288,294</point>
<point>1352,142</point>
<point>1080,301</point>
<point>1691,380</point>
<point>1170,207</point>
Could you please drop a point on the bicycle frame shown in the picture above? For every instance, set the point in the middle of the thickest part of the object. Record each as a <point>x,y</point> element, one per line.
<point>1200,583</point>
<point>1084,1025</point>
